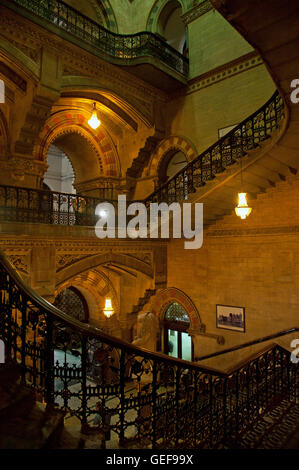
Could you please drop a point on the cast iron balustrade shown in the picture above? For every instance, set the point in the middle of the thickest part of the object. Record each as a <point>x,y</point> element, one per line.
<point>50,207</point>
<point>33,205</point>
<point>137,396</point>
<point>118,46</point>
<point>225,152</point>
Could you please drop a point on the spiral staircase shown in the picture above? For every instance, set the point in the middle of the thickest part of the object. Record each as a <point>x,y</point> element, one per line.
<point>130,397</point>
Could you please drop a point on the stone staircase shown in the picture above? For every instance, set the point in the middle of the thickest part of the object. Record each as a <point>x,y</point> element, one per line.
<point>143,301</point>
<point>25,423</point>
<point>272,29</point>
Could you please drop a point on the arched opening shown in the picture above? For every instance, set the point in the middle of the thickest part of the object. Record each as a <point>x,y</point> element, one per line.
<point>67,344</point>
<point>171,26</point>
<point>177,342</point>
<point>60,174</point>
<point>173,161</point>
<point>72,302</point>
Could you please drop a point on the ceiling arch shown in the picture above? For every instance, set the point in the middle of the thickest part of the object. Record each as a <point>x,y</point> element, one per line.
<point>92,262</point>
<point>94,286</point>
<point>138,109</point>
<point>69,127</point>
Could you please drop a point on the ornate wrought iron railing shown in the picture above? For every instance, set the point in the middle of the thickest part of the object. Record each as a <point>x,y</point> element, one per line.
<point>225,152</point>
<point>19,204</point>
<point>128,394</point>
<point>119,46</point>
<point>32,205</point>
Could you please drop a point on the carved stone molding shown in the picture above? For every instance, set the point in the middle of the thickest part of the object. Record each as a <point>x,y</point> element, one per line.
<point>223,72</point>
<point>18,167</point>
<point>19,258</point>
<point>145,257</point>
<point>81,62</point>
<point>20,262</point>
<point>202,7</point>
<point>62,261</point>
<point>253,231</point>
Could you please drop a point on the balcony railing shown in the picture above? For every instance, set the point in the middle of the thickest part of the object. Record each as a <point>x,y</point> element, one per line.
<point>118,46</point>
<point>32,205</point>
<point>225,152</point>
<point>135,395</point>
<point>50,207</point>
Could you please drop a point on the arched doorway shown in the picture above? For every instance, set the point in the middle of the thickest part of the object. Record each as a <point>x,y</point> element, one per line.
<point>171,26</point>
<point>177,342</point>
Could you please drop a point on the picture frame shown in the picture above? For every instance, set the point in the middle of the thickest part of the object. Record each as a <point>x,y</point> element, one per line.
<point>230,317</point>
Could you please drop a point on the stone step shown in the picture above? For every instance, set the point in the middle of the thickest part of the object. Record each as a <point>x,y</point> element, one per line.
<point>14,396</point>
<point>33,430</point>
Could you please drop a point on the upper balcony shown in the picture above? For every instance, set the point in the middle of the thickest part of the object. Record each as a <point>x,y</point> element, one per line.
<point>144,54</point>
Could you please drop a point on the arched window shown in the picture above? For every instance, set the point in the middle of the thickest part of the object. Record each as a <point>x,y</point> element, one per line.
<point>171,26</point>
<point>177,342</point>
<point>172,163</point>
<point>72,302</point>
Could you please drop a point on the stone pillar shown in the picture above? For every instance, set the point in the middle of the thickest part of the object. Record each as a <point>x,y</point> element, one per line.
<point>22,168</point>
<point>43,271</point>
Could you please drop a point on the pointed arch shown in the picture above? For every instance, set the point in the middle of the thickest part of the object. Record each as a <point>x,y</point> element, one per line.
<point>91,262</point>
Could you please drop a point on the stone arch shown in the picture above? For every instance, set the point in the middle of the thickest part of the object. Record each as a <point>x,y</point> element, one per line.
<point>75,293</point>
<point>172,143</point>
<point>121,98</point>
<point>93,285</point>
<point>166,297</point>
<point>105,9</point>
<point>90,262</point>
<point>71,121</point>
<point>157,9</point>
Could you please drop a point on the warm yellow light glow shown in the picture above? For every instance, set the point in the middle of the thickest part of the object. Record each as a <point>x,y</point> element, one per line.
<point>108,310</point>
<point>242,210</point>
<point>94,122</point>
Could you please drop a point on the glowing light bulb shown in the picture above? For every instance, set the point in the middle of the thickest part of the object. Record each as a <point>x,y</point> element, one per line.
<point>94,122</point>
<point>242,210</point>
<point>108,310</point>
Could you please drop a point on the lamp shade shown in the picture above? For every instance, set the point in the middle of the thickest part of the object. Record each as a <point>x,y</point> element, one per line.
<point>108,310</point>
<point>242,210</point>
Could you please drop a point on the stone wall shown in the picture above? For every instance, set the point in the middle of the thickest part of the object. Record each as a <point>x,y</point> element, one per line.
<point>250,263</point>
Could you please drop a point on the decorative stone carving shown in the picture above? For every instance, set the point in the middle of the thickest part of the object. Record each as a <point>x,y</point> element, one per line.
<point>20,262</point>
<point>62,261</point>
<point>235,67</point>
<point>79,62</point>
<point>146,331</point>
<point>18,168</point>
<point>200,8</point>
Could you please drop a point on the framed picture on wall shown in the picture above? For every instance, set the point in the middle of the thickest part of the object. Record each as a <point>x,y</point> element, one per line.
<point>230,318</point>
